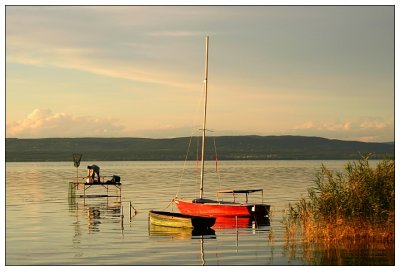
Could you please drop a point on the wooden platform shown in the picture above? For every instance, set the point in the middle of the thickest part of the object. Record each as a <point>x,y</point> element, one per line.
<point>75,189</point>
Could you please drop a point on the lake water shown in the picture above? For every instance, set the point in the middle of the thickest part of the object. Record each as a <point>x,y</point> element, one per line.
<point>45,227</point>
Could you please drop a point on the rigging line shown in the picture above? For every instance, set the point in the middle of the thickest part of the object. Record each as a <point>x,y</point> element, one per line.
<point>169,204</point>
<point>216,157</point>
<point>197,153</point>
<point>216,164</point>
<point>184,165</point>
<point>194,128</point>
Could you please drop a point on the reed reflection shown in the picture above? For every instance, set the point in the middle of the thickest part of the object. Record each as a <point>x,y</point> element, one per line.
<point>345,252</point>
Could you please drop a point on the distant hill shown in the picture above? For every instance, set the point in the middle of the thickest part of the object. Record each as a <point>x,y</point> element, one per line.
<point>228,147</point>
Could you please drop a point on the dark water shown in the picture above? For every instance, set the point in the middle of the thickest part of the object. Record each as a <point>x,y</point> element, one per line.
<point>44,227</point>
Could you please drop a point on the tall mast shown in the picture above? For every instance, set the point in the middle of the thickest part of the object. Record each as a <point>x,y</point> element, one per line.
<point>204,121</point>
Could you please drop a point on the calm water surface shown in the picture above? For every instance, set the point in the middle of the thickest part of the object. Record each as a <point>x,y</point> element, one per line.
<point>45,227</point>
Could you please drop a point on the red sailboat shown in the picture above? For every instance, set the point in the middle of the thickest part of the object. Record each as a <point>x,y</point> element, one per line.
<point>217,208</point>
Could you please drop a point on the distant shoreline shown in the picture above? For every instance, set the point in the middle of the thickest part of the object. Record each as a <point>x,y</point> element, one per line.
<point>176,149</point>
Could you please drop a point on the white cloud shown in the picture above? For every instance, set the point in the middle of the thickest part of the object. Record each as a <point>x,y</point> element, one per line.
<point>45,123</point>
<point>363,129</point>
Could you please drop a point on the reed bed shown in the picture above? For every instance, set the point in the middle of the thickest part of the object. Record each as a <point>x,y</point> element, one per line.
<point>351,210</point>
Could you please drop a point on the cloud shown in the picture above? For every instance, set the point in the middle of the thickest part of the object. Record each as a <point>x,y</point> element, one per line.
<point>177,33</point>
<point>328,126</point>
<point>45,123</point>
<point>368,129</point>
<point>91,60</point>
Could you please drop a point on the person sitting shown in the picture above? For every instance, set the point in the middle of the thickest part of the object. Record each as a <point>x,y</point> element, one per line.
<point>93,170</point>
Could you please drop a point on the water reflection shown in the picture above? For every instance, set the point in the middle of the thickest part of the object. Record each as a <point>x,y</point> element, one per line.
<point>156,231</point>
<point>240,222</point>
<point>93,216</point>
<point>340,254</point>
<point>180,233</point>
<point>233,232</point>
<point>221,223</point>
<point>38,214</point>
<point>348,251</point>
<point>95,213</point>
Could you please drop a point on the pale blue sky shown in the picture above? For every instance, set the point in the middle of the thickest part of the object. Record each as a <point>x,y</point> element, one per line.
<point>137,71</point>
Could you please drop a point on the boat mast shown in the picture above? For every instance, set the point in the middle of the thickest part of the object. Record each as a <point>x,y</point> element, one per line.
<point>204,121</point>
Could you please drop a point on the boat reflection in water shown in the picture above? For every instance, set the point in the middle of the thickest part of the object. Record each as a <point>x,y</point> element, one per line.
<point>240,222</point>
<point>220,224</point>
<point>180,233</point>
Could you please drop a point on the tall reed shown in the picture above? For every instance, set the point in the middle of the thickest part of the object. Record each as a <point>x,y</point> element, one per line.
<point>350,209</point>
<point>359,192</point>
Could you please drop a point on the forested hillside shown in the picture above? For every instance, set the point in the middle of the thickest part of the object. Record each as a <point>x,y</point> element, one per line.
<point>228,148</point>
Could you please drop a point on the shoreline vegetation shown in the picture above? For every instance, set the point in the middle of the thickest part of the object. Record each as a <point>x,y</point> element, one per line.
<point>187,148</point>
<point>348,212</point>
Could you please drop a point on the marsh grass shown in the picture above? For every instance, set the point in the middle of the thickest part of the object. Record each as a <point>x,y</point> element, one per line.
<point>346,212</point>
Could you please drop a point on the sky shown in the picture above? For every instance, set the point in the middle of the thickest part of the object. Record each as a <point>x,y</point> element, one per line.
<point>138,71</point>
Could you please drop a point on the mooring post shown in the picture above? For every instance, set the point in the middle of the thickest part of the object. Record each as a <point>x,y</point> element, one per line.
<point>77,179</point>
<point>122,218</point>
<point>130,210</point>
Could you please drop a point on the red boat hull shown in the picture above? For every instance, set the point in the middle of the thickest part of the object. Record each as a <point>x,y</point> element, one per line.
<point>222,209</point>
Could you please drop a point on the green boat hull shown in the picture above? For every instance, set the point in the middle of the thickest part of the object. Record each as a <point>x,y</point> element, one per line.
<point>178,220</point>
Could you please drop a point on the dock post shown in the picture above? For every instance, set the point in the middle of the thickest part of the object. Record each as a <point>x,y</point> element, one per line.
<point>71,189</point>
<point>122,218</point>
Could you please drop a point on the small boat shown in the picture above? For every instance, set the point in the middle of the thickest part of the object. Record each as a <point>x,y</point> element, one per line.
<point>216,208</point>
<point>180,233</point>
<point>178,220</point>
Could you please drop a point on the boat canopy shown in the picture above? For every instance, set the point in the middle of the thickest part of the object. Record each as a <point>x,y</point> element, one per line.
<point>241,191</point>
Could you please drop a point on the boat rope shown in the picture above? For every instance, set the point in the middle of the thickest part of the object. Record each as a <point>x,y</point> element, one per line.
<point>216,164</point>
<point>216,157</point>
<point>195,127</point>
<point>169,204</point>
<point>184,165</point>
<point>197,153</point>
